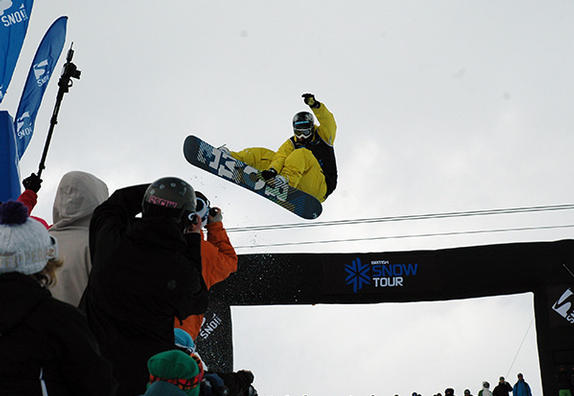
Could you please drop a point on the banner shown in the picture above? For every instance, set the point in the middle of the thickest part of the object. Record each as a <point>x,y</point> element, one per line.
<point>38,77</point>
<point>14,18</point>
<point>9,173</point>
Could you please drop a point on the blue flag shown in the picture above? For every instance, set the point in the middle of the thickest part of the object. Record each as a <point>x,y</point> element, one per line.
<point>9,173</point>
<point>14,17</point>
<point>38,77</point>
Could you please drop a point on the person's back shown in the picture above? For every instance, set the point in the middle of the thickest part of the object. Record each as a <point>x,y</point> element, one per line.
<point>78,194</point>
<point>145,273</point>
<point>46,346</point>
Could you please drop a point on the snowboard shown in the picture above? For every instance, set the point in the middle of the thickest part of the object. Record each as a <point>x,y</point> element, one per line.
<point>218,162</point>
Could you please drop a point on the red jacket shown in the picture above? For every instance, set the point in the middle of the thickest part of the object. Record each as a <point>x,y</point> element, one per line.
<point>218,260</point>
<point>29,199</point>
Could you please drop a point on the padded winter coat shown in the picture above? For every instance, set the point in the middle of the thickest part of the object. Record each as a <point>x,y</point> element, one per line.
<point>296,160</point>
<point>78,194</point>
<point>145,273</point>
<point>521,388</point>
<point>502,389</point>
<point>29,198</point>
<point>219,260</point>
<point>41,336</point>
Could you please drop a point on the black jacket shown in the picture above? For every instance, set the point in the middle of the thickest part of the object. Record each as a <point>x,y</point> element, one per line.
<point>502,389</point>
<point>41,334</point>
<point>145,273</point>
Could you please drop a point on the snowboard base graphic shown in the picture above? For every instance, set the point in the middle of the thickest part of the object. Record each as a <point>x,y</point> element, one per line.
<point>215,161</point>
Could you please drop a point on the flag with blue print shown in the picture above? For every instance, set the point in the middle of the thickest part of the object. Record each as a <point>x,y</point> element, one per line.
<point>14,18</point>
<point>38,77</point>
<point>9,172</point>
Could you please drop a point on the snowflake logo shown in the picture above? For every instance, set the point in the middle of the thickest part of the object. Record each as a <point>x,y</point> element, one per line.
<point>357,274</point>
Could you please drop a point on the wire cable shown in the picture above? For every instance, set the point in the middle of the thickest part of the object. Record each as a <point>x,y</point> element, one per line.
<point>450,233</point>
<point>486,212</point>
<point>519,348</point>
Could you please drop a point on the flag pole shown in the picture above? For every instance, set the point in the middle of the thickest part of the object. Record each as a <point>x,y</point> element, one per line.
<point>65,82</point>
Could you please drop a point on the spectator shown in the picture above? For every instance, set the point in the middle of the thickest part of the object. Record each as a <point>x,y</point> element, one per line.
<point>467,392</point>
<point>29,197</point>
<point>46,346</point>
<point>78,194</point>
<point>485,391</point>
<point>146,272</point>
<point>212,385</point>
<point>173,373</point>
<point>183,341</point>
<point>218,257</point>
<point>449,392</point>
<point>521,388</point>
<point>238,383</point>
<point>503,388</point>
<point>216,383</point>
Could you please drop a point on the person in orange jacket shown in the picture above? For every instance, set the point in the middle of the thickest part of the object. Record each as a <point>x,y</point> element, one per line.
<point>218,257</point>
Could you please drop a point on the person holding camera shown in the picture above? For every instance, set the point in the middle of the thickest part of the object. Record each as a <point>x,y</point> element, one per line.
<point>218,257</point>
<point>145,273</point>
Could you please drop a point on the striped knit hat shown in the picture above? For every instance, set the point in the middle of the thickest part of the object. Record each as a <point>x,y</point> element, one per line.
<point>25,245</point>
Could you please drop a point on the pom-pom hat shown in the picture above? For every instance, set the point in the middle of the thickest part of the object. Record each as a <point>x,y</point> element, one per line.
<point>25,245</point>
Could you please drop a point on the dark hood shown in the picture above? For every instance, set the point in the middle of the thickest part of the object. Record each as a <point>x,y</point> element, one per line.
<point>19,295</point>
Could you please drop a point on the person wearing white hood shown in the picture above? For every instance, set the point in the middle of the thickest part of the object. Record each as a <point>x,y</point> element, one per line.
<point>78,194</point>
<point>485,391</point>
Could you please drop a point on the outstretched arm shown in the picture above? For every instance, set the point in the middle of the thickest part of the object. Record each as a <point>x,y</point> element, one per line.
<point>220,255</point>
<point>327,128</point>
<point>112,217</point>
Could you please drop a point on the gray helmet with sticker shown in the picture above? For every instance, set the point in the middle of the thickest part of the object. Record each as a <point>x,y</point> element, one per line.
<point>168,197</point>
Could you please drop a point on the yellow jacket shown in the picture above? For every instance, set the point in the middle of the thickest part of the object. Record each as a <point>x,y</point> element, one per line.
<point>326,131</point>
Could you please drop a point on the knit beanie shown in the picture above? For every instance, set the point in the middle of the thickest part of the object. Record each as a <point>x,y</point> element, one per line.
<point>177,368</point>
<point>25,245</point>
<point>184,340</point>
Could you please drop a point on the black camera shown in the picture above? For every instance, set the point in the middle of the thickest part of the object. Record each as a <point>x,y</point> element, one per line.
<point>71,71</point>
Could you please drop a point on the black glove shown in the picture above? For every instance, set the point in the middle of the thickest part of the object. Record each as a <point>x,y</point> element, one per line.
<point>268,174</point>
<point>310,101</point>
<point>32,182</point>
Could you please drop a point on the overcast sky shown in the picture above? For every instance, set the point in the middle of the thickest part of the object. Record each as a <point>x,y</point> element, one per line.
<point>441,105</point>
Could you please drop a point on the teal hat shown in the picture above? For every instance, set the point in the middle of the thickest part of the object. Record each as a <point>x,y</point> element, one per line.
<point>177,368</point>
<point>184,340</point>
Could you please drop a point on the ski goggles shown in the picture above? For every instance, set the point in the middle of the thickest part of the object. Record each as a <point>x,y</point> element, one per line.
<point>300,134</point>
<point>302,128</point>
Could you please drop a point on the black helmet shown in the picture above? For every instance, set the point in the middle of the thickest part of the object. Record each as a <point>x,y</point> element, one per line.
<point>303,124</point>
<point>168,197</point>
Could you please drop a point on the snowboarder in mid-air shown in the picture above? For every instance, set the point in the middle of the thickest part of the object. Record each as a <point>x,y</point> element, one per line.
<point>306,160</point>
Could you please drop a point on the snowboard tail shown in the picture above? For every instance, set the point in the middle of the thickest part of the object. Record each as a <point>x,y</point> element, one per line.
<point>215,161</point>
